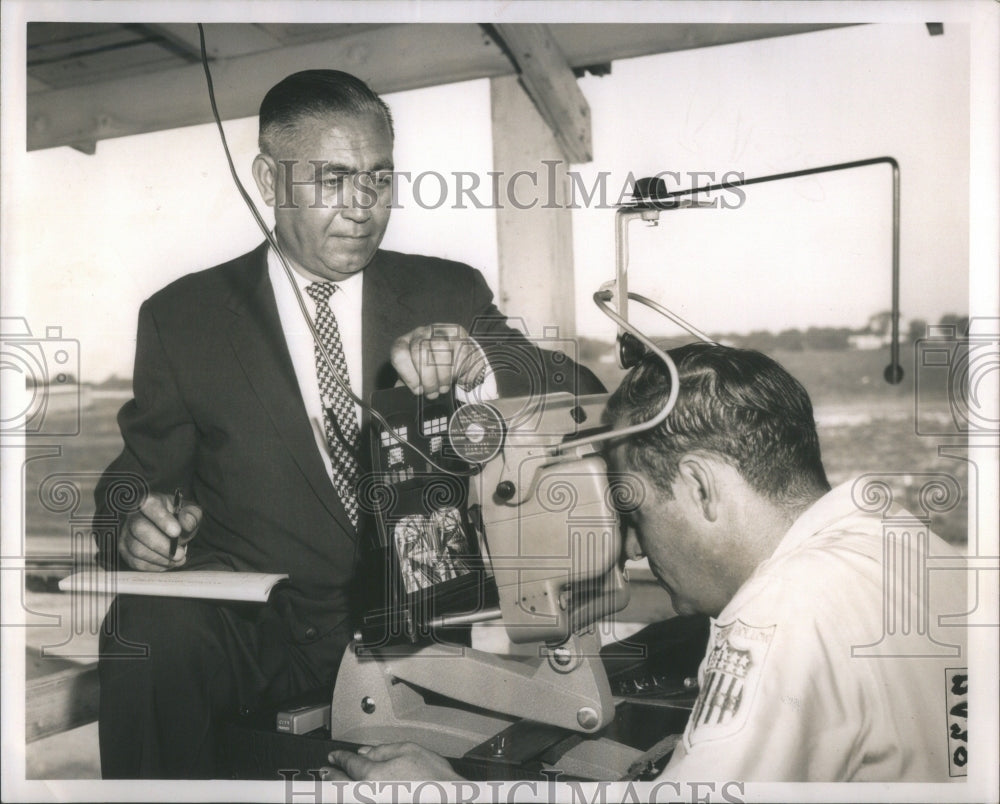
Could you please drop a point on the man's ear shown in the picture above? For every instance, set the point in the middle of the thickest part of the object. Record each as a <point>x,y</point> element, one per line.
<point>697,479</point>
<point>265,174</point>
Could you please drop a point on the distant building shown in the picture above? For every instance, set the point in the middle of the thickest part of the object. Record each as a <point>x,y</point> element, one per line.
<point>878,333</point>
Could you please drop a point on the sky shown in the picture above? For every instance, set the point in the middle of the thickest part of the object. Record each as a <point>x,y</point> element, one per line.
<point>91,236</point>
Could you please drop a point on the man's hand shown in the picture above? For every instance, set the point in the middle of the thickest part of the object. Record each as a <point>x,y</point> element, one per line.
<point>394,762</point>
<point>429,359</point>
<point>145,541</point>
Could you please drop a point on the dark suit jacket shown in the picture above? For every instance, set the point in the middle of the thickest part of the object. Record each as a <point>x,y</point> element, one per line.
<point>218,412</point>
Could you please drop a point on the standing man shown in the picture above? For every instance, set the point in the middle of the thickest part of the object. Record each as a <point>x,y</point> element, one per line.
<point>237,408</point>
<point>802,680</point>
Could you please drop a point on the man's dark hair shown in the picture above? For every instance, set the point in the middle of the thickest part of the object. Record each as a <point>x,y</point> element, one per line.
<point>738,404</point>
<point>314,94</point>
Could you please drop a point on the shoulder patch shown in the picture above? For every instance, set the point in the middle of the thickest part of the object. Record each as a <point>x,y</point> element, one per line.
<point>733,668</point>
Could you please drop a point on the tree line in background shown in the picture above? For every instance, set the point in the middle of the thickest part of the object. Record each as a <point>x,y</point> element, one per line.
<point>834,338</point>
<point>798,340</point>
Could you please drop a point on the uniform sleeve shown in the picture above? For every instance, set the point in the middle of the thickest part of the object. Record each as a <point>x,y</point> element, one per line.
<point>778,701</point>
<point>159,441</point>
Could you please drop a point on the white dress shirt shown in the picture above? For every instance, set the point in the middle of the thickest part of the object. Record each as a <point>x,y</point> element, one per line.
<point>346,306</point>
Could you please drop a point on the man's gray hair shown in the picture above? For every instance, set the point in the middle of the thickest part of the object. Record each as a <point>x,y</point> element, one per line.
<point>314,94</point>
<point>735,403</point>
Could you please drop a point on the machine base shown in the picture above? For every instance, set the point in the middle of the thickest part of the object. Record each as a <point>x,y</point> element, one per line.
<point>651,679</point>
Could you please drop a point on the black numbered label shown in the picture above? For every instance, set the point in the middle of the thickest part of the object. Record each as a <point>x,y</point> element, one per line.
<point>957,697</point>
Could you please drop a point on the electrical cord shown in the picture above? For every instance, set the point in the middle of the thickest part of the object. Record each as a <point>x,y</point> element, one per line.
<point>602,299</point>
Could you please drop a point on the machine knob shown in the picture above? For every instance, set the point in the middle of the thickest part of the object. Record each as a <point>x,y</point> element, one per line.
<point>506,490</point>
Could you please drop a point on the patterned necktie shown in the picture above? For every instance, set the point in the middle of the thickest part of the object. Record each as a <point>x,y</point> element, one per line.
<point>339,418</point>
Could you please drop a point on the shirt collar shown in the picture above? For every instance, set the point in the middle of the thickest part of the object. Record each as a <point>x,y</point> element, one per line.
<point>822,513</point>
<point>350,287</point>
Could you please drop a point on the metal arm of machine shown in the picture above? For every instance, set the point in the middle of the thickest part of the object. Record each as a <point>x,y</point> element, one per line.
<point>648,208</point>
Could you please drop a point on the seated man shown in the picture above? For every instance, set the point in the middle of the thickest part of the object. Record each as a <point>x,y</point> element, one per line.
<point>239,410</point>
<point>799,682</point>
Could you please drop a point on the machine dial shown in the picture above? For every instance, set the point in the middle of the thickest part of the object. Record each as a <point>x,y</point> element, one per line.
<point>476,432</point>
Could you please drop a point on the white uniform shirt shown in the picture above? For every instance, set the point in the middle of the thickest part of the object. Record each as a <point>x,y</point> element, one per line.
<point>788,690</point>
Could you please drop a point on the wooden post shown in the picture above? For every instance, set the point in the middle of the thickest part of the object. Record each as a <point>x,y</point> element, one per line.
<point>534,227</point>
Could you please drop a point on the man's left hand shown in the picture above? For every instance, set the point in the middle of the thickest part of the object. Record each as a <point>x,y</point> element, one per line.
<point>393,762</point>
<point>430,359</point>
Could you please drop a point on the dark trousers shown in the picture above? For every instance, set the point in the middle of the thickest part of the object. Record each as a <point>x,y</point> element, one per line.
<point>171,669</point>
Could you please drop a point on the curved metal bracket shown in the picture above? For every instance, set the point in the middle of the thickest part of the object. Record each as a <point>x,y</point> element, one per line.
<point>648,208</point>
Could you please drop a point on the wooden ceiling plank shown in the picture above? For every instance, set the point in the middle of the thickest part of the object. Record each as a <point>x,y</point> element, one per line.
<point>81,49</point>
<point>549,81</point>
<point>144,57</point>
<point>166,38</point>
<point>177,97</point>
<point>222,40</point>
<point>67,37</point>
<point>299,33</point>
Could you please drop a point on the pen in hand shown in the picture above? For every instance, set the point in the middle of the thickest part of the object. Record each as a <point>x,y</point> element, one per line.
<point>175,509</point>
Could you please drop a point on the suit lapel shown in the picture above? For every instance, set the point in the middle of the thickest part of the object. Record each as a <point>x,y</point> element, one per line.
<point>259,343</point>
<point>385,314</point>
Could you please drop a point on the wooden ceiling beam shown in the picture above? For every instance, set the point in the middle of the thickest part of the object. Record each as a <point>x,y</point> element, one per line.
<point>549,81</point>
<point>221,41</point>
